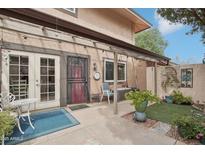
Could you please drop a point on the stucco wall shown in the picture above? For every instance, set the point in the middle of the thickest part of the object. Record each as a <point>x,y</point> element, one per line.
<point>150,71</point>
<point>105,21</point>
<point>136,72</point>
<point>198,90</point>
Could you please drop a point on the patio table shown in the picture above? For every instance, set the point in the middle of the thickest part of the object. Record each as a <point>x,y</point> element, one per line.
<point>19,104</point>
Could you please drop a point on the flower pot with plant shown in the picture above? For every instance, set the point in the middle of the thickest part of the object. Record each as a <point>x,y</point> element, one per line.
<point>140,101</point>
<point>179,98</point>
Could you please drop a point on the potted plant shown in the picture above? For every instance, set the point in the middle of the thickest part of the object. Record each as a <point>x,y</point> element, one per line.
<point>179,98</point>
<point>140,101</point>
<point>169,99</point>
<point>7,123</point>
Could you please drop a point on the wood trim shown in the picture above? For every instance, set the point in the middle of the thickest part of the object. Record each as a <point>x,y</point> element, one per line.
<point>88,58</point>
<point>118,62</point>
<point>50,21</point>
<point>115,83</point>
<point>155,78</point>
<point>67,12</point>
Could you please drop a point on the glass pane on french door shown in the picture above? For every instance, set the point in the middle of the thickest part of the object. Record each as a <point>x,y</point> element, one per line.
<point>47,79</point>
<point>19,76</point>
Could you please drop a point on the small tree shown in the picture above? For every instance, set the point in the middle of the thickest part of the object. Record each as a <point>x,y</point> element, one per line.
<point>151,40</point>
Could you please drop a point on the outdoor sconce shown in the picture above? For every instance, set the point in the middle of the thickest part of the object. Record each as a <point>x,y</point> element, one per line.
<point>96,75</point>
<point>94,67</point>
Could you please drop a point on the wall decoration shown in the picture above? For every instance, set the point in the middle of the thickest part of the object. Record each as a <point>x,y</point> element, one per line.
<point>187,78</point>
<point>169,79</point>
<point>96,76</point>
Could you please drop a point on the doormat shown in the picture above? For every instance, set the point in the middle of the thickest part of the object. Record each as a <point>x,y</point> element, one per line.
<point>77,107</point>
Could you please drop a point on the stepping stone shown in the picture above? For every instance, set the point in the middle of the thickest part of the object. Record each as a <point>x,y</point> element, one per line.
<point>161,128</point>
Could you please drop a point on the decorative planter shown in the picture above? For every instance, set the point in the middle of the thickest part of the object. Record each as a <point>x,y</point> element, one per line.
<point>169,99</point>
<point>140,116</point>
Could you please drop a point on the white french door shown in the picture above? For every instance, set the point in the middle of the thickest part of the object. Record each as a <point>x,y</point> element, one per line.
<point>47,80</point>
<point>30,75</point>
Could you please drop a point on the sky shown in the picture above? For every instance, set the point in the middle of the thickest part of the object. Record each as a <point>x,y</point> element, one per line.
<point>187,48</point>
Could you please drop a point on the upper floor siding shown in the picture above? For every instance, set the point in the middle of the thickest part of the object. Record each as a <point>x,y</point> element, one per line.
<point>106,21</point>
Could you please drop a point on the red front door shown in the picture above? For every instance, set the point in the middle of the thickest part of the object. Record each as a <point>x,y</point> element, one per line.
<point>77,80</point>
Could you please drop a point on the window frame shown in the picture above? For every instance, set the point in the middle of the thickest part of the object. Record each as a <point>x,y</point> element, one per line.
<point>70,12</point>
<point>186,69</point>
<point>119,62</point>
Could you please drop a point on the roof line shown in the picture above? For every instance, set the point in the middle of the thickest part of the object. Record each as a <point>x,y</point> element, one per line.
<point>141,17</point>
<point>47,20</point>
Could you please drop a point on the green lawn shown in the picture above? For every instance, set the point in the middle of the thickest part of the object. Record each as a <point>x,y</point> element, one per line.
<point>166,112</point>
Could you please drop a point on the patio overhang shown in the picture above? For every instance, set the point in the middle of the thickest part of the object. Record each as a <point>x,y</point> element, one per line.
<point>46,20</point>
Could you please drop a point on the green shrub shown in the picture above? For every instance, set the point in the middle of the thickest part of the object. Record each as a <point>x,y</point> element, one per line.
<point>179,98</point>
<point>7,123</point>
<point>141,98</point>
<point>188,126</point>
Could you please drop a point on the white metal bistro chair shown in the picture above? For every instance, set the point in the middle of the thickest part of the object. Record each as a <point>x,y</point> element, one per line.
<point>106,92</point>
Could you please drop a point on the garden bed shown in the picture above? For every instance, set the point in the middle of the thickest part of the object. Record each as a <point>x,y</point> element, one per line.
<point>173,133</point>
<point>159,114</point>
<point>148,123</point>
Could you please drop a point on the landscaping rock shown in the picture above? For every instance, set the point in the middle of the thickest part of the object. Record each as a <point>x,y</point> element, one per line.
<point>161,128</point>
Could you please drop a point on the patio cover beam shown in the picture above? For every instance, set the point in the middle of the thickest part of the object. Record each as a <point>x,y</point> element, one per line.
<point>46,20</point>
<point>115,82</point>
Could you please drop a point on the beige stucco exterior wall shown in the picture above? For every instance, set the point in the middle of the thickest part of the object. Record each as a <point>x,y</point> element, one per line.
<point>105,21</point>
<point>198,90</point>
<point>136,72</point>
<point>150,71</point>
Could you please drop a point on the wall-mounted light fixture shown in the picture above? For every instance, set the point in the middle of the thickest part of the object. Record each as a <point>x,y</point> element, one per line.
<point>94,67</point>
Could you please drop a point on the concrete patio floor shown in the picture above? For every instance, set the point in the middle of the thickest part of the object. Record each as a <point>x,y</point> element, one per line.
<point>98,125</point>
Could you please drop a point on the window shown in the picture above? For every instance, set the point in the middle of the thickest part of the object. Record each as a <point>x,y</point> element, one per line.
<point>47,79</point>
<point>187,78</point>
<point>18,76</point>
<point>109,71</point>
<point>72,10</point>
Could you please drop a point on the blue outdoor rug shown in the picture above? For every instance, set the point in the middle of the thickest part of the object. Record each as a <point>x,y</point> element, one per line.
<point>44,123</point>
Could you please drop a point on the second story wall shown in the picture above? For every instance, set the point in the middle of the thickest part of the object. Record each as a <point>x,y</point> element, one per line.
<point>106,21</point>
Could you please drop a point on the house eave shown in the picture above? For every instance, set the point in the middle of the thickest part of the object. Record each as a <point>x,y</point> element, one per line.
<point>36,17</point>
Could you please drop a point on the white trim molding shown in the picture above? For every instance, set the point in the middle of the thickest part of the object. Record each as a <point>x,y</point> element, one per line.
<point>72,10</point>
<point>119,62</point>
